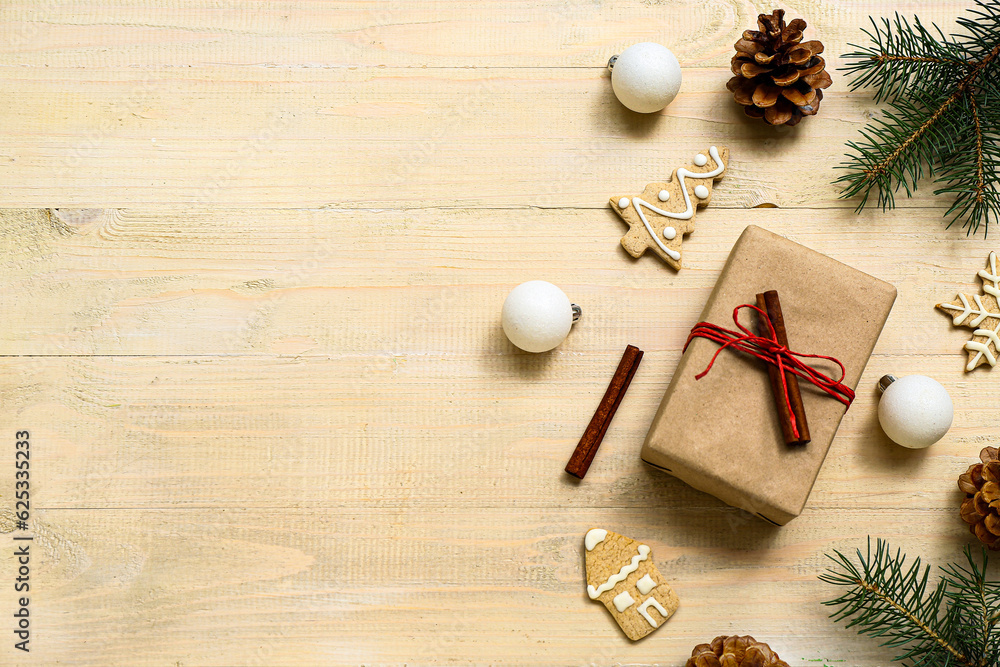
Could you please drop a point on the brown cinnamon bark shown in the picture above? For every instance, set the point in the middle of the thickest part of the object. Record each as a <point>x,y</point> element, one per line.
<point>584,453</point>
<point>769,303</point>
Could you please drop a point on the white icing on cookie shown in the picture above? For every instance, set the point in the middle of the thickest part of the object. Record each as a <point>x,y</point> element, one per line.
<point>991,276</point>
<point>645,614</point>
<point>669,233</point>
<point>700,160</point>
<point>700,191</point>
<point>683,174</point>
<point>623,601</point>
<point>645,584</point>
<point>991,285</point>
<point>663,195</point>
<point>594,537</point>
<point>983,348</point>
<point>626,570</point>
<point>638,204</point>
<point>981,312</point>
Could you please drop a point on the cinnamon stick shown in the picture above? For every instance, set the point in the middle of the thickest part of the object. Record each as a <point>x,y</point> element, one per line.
<point>584,453</point>
<point>769,303</point>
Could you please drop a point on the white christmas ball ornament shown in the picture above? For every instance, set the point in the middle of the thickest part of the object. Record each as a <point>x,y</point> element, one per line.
<point>915,411</point>
<point>537,316</point>
<point>646,77</point>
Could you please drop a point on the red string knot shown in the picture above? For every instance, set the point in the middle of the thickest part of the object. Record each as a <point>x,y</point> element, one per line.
<point>770,351</point>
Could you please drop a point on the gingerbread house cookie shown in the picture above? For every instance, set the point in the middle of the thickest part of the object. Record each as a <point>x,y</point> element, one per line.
<point>621,574</point>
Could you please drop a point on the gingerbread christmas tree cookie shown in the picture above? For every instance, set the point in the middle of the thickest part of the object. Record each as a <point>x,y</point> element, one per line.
<point>621,574</point>
<point>982,314</point>
<point>659,218</point>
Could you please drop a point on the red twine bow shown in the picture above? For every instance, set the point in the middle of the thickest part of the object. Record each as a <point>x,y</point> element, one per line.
<point>771,351</point>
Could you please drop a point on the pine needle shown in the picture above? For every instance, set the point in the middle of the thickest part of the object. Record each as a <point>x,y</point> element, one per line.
<point>954,623</point>
<point>942,121</point>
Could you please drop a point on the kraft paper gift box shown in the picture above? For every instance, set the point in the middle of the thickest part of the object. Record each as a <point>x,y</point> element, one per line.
<point>721,434</point>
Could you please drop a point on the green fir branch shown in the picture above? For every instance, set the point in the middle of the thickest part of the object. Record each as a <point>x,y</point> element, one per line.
<point>977,603</point>
<point>953,623</point>
<point>942,93</point>
<point>902,54</point>
<point>968,180</point>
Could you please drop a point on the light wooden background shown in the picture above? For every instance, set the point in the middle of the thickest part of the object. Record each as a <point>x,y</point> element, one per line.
<point>252,260</point>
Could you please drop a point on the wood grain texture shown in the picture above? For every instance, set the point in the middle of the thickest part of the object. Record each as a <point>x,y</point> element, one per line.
<point>252,258</point>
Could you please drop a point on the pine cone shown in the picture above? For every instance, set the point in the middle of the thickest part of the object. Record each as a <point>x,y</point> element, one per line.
<point>981,508</point>
<point>734,652</point>
<point>778,76</point>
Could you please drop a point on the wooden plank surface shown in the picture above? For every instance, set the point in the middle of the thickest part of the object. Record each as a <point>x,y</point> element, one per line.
<point>252,258</point>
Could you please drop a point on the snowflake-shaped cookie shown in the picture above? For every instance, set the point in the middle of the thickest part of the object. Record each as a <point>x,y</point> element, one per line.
<point>659,218</point>
<point>981,314</point>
